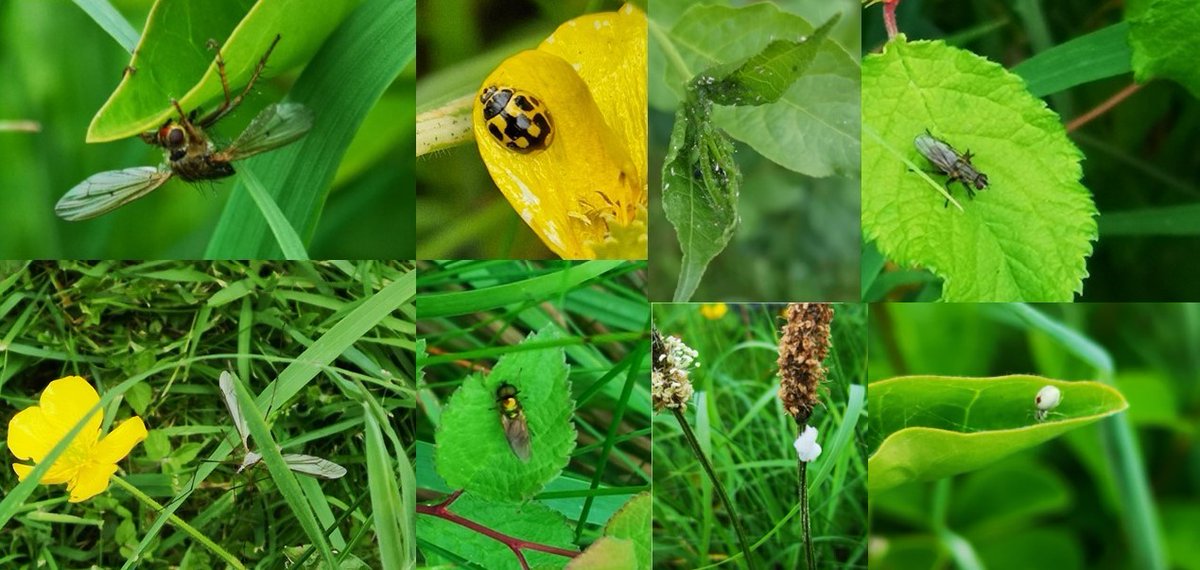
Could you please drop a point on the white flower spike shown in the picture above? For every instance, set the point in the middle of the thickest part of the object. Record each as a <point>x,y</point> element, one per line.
<point>1047,399</point>
<point>806,445</point>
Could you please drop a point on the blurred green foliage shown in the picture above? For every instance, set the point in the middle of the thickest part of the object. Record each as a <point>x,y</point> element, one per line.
<point>1056,506</point>
<point>61,84</point>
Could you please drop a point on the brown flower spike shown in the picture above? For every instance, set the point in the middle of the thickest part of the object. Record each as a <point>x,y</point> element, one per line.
<point>802,349</point>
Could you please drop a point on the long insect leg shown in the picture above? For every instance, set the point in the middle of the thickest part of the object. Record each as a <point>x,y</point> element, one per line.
<point>232,103</point>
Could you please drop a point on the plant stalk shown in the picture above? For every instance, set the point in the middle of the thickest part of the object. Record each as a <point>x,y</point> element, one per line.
<point>712,475</point>
<point>809,555</point>
<point>178,522</point>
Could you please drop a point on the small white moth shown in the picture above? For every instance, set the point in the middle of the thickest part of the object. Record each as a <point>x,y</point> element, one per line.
<point>305,464</point>
<point>1047,399</point>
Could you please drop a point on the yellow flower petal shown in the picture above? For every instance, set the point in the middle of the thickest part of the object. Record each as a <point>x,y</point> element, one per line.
<point>589,77</point>
<point>88,462</point>
<point>92,481</point>
<point>120,441</point>
<point>34,431</point>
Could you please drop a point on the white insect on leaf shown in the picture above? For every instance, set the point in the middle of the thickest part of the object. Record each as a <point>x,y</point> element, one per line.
<point>1047,399</point>
<point>304,464</point>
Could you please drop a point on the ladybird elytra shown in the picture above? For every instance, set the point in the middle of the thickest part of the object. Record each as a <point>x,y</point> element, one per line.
<point>516,119</point>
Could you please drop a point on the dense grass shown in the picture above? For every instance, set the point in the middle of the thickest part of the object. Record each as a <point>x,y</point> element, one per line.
<point>748,438</point>
<point>327,349</point>
<point>601,308</point>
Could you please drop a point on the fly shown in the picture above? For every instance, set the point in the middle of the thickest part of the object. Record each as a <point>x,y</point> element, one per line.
<point>957,167</point>
<point>188,152</point>
<point>305,464</point>
<point>512,419</point>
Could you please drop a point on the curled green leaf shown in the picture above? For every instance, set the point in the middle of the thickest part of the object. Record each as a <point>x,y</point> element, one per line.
<point>765,76</point>
<point>924,428</point>
<point>700,190</point>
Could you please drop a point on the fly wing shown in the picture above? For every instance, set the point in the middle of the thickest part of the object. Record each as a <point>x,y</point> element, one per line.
<point>104,192</point>
<point>314,466</point>
<point>938,152</point>
<point>235,410</point>
<point>277,125</point>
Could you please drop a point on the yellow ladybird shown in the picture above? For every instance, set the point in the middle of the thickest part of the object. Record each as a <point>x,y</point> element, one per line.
<point>516,119</point>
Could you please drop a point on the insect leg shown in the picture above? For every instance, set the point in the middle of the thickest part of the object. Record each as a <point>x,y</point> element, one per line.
<point>232,103</point>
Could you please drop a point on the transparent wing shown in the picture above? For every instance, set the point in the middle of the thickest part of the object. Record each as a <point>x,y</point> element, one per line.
<point>235,410</point>
<point>938,152</point>
<point>104,192</point>
<point>278,124</point>
<point>314,466</point>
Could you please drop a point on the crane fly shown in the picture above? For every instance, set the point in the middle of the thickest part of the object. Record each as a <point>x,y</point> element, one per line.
<point>305,464</point>
<point>188,152</point>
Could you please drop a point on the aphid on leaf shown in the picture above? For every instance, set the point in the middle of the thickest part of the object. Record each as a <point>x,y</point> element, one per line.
<point>512,419</point>
<point>188,152</point>
<point>957,167</point>
<point>1047,399</point>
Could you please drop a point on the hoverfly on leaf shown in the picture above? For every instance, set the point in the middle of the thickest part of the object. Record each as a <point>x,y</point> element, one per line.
<point>512,419</point>
<point>188,151</point>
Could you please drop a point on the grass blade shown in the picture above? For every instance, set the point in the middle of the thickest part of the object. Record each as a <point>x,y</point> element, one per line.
<point>111,21</point>
<point>386,505</point>
<point>341,84</point>
<point>1100,54</point>
<point>285,235</point>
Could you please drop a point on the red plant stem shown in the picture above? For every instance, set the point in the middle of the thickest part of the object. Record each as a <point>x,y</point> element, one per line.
<point>1102,108</point>
<point>442,511</point>
<point>889,17</point>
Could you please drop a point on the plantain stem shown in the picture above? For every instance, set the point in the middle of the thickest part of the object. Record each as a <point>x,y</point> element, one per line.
<point>712,475</point>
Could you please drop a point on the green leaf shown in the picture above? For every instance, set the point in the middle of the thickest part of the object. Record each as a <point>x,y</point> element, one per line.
<point>341,84</point>
<point>1028,234</point>
<point>813,128</point>
<point>607,553</point>
<point>924,428</point>
<point>1165,43</point>
<point>700,190</point>
<point>765,76</point>
<point>472,451</point>
<point>632,522</point>
<point>172,60</point>
<point>1100,54</point>
<point>530,522</point>
<point>387,508</point>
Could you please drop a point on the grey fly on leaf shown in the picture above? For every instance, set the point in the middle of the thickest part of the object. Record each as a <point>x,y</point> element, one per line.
<point>957,167</point>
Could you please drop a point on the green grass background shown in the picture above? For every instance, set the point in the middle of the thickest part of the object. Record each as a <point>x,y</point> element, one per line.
<point>738,418</point>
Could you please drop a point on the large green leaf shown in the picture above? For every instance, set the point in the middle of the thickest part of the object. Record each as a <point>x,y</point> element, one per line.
<point>1165,42</point>
<point>1028,234</point>
<point>472,452</point>
<point>813,127</point>
<point>924,428</point>
<point>172,61</point>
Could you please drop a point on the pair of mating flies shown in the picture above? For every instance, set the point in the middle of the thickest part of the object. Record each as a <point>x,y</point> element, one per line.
<point>188,151</point>
<point>957,167</point>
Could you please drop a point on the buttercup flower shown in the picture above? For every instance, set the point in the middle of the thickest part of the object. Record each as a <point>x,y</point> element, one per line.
<point>713,311</point>
<point>89,461</point>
